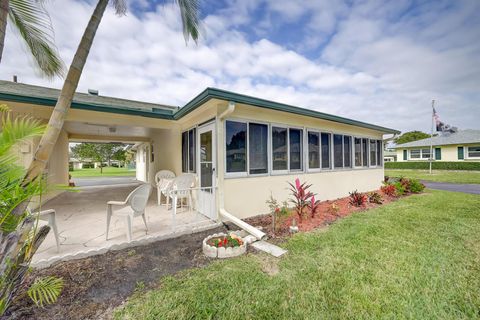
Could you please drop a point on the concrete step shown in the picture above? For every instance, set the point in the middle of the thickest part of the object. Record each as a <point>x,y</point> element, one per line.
<point>272,249</point>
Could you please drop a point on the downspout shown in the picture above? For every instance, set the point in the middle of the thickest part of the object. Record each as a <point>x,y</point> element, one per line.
<point>259,235</point>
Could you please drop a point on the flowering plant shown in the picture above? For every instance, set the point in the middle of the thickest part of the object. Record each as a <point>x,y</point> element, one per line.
<point>301,196</point>
<point>231,240</point>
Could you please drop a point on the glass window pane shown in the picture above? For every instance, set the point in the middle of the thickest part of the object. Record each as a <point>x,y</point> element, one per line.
<point>279,148</point>
<point>415,154</point>
<point>379,152</point>
<point>325,150</point>
<point>258,148</point>
<point>206,147</point>
<point>296,136</point>
<point>191,149</point>
<point>313,150</point>
<point>347,151</point>
<point>373,153</point>
<point>358,152</point>
<point>365,152</point>
<point>206,174</point>
<point>474,152</point>
<point>185,151</point>
<point>425,153</point>
<point>235,146</point>
<point>337,151</point>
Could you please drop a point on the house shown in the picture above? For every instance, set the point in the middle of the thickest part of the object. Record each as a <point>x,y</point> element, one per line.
<point>389,155</point>
<point>242,148</point>
<point>463,145</point>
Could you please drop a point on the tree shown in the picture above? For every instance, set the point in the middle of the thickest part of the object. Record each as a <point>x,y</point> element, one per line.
<point>189,10</point>
<point>411,136</point>
<point>33,24</point>
<point>99,152</point>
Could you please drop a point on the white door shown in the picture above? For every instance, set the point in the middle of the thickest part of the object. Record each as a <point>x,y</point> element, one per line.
<point>206,170</point>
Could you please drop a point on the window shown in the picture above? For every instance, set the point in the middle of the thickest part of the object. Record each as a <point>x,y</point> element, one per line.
<point>337,151</point>
<point>379,152</point>
<point>364,152</point>
<point>296,147</point>
<point>236,146</point>
<point>474,152</point>
<point>347,151</point>
<point>358,152</point>
<point>426,153</point>
<point>373,153</point>
<point>415,154</point>
<point>325,140</point>
<point>313,150</point>
<point>279,149</point>
<point>258,148</point>
<point>188,150</point>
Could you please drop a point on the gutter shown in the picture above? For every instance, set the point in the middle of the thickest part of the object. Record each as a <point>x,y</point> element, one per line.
<point>242,224</point>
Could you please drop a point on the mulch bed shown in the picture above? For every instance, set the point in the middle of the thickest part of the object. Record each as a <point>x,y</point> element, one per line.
<point>95,286</point>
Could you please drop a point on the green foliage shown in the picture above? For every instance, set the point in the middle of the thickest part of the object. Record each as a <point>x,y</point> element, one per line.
<point>99,152</point>
<point>375,197</point>
<point>45,290</point>
<point>436,165</point>
<point>399,188</point>
<point>416,186</point>
<point>357,199</point>
<point>32,21</point>
<point>278,212</point>
<point>411,136</point>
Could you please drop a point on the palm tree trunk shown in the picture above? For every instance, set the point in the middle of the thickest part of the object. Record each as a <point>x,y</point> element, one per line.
<point>4,4</point>
<point>55,124</point>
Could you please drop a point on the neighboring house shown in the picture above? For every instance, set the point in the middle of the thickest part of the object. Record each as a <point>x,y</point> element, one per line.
<point>463,145</point>
<point>389,155</point>
<point>241,148</point>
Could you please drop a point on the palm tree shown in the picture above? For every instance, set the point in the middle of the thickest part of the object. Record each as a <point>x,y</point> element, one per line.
<point>33,24</point>
<point>189,10</point>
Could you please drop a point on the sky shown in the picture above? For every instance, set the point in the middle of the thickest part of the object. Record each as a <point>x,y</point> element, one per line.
<point>380,62</point>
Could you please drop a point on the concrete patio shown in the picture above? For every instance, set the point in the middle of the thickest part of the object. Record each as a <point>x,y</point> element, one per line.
<point>81,221</point>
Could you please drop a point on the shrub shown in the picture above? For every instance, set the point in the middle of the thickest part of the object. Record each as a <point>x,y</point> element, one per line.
<point>437,165</point>
<point>314,206</point>
<point>399,188</point>
<point>406,183</point>
<point>278,212</point>
<point>389,190</point>
<point>375,197</point>
<point>301,197</point>
<point>357,199</point>
<point>416,186</point>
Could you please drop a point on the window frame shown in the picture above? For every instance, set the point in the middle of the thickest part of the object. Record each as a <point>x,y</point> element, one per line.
<point>468,152</point>
<point>420,158</point>
<point>188,149</point>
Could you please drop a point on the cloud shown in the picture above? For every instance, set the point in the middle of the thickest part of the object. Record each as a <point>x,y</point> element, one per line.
<point>372,61</point>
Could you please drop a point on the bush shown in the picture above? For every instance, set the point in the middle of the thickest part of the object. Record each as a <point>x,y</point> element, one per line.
<point>416,186</point>
<point>389,190</point>
<point>437,165</point>
<point>375,197</point>
<point>357,199</point>
<point>399,188</point>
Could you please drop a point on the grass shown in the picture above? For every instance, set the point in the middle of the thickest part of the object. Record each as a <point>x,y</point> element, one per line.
<point>107,172</point>
<point>417,258</point>
<point>438,175</point>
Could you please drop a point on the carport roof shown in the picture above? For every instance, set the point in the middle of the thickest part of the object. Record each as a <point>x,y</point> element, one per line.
<point>12,91</point>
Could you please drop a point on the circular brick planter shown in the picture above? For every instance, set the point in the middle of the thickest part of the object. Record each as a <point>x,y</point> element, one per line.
<point>222,252</point>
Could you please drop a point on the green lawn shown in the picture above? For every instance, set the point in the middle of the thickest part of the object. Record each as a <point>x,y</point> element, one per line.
<point>417,258</point>
<point>438,175</point>
<point>107,172</point>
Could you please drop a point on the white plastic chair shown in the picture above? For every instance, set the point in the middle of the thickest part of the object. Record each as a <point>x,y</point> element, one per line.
<point>181,189</point>
<point>49,215</point>
<point>133,206</point>
<point>163,179</point>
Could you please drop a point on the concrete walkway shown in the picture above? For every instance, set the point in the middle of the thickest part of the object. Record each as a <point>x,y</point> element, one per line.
<point>103,181</point>
<point>465,188</point>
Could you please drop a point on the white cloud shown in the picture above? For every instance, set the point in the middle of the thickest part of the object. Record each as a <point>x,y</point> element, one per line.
<point>373,67</point>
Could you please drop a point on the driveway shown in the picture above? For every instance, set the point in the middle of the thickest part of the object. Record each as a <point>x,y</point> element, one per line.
<point>465,188</point>
<point>103,181</point>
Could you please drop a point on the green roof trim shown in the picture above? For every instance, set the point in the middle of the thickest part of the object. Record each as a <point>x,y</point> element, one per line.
<point>212,93</point>
<point>10,91</point>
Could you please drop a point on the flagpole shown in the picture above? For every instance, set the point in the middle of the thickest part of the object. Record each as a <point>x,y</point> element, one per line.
<point>431,137</point>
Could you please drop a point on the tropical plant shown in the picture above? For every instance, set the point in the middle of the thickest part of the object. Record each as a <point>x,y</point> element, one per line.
<point>416,186</point>
<point>375,197</point>
<point>277,211</point>
<point>20,236</point>
<point>389,190</point>
<point>334,209</point>
<point>399,188</point>
<point>301,197</point>
<point>189,11</point>
<point>45,290</point>
<point>33,24</point>
<point>357,199</point>
<point>314,206</point>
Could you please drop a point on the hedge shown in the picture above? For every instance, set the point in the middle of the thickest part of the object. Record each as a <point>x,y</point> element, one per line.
<point>444,165</point>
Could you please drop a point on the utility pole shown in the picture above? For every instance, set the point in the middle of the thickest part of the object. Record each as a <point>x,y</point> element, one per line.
<point>431,137</point>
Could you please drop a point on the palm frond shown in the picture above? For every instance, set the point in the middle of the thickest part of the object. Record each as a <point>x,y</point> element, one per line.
<point>120,7</point>
<point>33,23</point>
<point>189,11</point>
<point>45,290</point>
<point>17,130</point>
